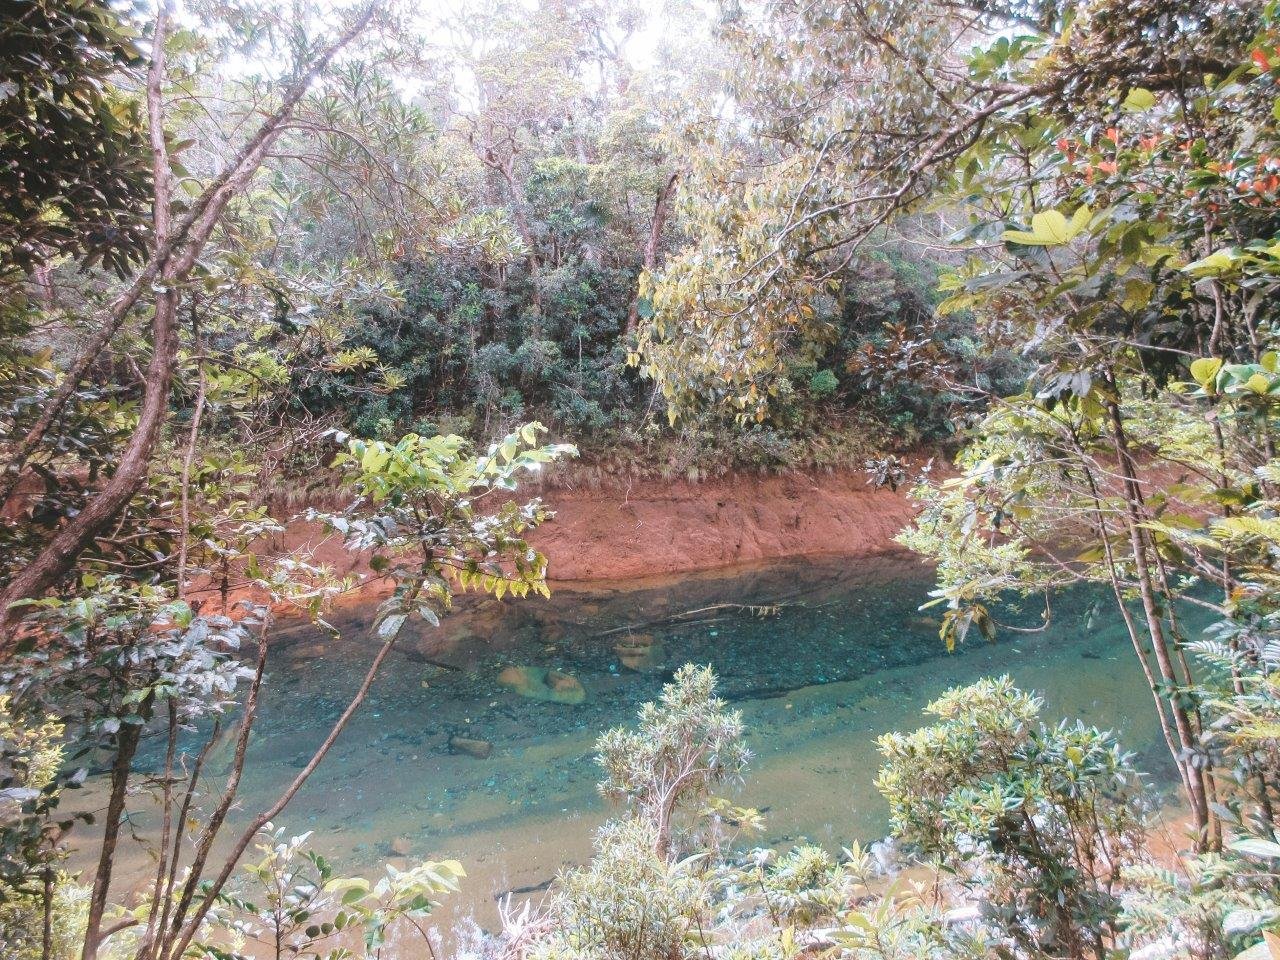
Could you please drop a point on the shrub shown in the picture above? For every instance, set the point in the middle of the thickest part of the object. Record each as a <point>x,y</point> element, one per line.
<point>22,923</point>
<point>628,902</point>
<point>1037,821</point>
<point>687,744</point>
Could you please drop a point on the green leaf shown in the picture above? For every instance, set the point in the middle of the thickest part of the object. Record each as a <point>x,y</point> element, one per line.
<point>1257,847</point>
<point>1139,99</point>
<point>1205,369</point>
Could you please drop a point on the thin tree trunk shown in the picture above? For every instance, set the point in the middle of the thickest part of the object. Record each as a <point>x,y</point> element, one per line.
<point>165,896</point>
<point>1188,742</point>
<point>1131,627</point>
<point>209,833</point>
<point>126,746</point>
<point>165,830</point>
<point>46,919</point>
<point>660,208</point>
<point>188,458</point>
<point>211,890</point>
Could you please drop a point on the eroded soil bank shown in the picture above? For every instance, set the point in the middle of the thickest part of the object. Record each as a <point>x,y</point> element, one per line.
<point>661,527</point>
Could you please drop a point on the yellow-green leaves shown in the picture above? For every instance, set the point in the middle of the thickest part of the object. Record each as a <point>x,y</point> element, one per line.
<point>1205,370</point>
<point>418,515</point>
<point>1257,384</point>
<point>1050,228</point>
<point>1247,382</point>
<point>1217,264</point>
<point>1139,99</point>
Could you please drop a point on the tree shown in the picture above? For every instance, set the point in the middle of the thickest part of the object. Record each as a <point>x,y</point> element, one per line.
<point>175,246</point>
<point>74,171</point>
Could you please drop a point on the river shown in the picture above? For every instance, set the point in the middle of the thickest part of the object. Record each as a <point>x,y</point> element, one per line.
<point>821,656</point>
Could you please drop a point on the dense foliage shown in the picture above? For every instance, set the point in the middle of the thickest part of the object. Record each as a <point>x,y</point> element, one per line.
<point>74,171</point>
<point>245,249</point>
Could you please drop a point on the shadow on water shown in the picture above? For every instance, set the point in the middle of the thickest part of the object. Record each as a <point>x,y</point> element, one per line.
<point>821,657</point>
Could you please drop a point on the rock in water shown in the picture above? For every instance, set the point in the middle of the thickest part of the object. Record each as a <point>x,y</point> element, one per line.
<point>640,652</point>
<point>401,846</point>
<point>539,683</point>
<point>471,746</point>
<point>561,682</point>
<point>514,677</point>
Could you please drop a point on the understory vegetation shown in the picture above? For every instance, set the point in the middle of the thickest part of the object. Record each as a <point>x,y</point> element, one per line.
<point>366,269</point>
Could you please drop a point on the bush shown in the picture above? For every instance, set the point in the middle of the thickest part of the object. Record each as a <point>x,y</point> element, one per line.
<point>686,745</point>
<point>22,924</point>
<point>1038,822</point>
<point>628,902</point>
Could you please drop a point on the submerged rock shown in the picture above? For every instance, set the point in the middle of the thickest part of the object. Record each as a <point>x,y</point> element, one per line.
<point>471,746</point>
<point>562,682</point>
<point>514,677</point>
<point>539,683</point>
<point>401,846</point>
<point>640,652</point>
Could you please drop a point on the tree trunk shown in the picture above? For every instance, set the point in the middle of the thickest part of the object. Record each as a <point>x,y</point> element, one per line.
<point>1197,793</point>
<point>127,745</point>
<point>660,208</point>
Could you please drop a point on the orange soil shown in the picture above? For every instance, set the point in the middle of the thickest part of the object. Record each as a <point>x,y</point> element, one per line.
<point>653,528</point>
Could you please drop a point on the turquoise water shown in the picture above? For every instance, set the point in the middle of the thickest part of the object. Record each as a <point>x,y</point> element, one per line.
<point>820,656</point>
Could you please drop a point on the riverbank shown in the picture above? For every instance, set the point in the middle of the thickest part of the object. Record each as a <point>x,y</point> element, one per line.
<point>654,528</point>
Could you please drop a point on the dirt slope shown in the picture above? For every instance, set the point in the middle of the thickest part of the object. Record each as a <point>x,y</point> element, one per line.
<point>673,527</point>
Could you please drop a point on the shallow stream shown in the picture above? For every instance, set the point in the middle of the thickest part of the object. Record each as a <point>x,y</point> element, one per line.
<point>821,656</point>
